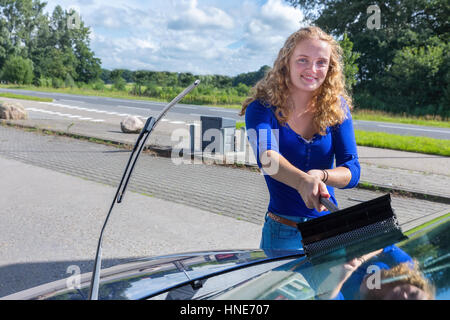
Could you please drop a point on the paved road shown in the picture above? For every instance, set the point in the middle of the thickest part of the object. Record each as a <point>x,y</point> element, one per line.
<point>93,107</point>
<point>238,193</point>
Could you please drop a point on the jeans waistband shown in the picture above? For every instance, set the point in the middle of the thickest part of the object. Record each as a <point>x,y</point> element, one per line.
<point>293,218</point>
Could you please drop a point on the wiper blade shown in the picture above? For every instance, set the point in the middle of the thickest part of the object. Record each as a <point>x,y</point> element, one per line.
<point>150,124</point>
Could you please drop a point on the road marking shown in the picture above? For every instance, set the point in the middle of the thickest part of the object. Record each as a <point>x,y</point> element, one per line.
<point>88,109</point>
<point>177,122</point>
<point>67,115</point>
<point>185,107</point>
<point>416,129</point>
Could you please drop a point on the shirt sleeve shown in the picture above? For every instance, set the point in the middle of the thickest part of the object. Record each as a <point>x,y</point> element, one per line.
<point>261,129</point>
<point>345,148</point>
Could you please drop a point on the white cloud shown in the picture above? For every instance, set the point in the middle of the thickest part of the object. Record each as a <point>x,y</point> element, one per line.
<point>194,18</point>
<point>198,36</point>
<point>274,23</point>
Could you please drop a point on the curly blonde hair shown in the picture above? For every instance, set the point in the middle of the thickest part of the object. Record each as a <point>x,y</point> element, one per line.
<point>273,89</point>
<point>404,273</point>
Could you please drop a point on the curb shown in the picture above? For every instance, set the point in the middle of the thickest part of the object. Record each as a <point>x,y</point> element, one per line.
<point>166,152</point>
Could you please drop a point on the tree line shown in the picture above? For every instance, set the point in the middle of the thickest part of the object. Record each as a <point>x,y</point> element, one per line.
<point>44,49</point>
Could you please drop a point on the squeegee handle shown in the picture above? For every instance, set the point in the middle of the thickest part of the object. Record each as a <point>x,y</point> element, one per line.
<point>328,204</point>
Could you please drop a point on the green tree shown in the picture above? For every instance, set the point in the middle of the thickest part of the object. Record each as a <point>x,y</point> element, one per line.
<point>18,70</point>
<point>251,78</point>
<point>185,79</point>
<point>25,30</point>
<point>349,60</point>
<point>403,24</point>
<point>119,83</point>
<point>419,67</point>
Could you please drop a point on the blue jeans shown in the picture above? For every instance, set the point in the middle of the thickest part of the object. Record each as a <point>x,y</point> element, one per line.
<point>276,235</point>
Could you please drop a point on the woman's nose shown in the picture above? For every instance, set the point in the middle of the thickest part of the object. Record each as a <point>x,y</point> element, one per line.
<point>312,67</point>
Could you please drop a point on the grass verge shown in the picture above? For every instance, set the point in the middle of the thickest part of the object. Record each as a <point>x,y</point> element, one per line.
<point>24,97</point>
<point>398,192</point>
<point>371,115</point>
<point>404,143</point>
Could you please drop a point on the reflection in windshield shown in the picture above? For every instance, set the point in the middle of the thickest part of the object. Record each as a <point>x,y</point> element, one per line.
<point>417,268</point>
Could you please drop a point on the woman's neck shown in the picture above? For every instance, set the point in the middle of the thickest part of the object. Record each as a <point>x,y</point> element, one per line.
<point>301,100</point>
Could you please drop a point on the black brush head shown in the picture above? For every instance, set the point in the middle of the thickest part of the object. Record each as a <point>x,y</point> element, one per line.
<point>352,228</point>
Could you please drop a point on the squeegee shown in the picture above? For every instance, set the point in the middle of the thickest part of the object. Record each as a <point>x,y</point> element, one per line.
<point>366,226</point>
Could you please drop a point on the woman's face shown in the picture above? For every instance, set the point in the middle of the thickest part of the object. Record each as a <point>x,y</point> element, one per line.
<point>309,64</point>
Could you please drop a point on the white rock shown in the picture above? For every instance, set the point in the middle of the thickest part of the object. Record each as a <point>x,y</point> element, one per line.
<point>12,111</point>
<point>131,124</point>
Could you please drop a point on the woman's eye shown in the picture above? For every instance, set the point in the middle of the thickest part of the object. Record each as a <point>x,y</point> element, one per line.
<point>301,60</point>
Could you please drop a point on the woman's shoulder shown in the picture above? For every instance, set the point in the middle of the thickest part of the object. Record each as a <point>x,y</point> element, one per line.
<point>344,104</point>
<point>258,112</point>
<point>260,107</point>
<point>259,104</point>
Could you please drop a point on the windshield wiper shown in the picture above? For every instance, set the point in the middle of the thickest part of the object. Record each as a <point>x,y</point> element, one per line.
<point>150,124</point>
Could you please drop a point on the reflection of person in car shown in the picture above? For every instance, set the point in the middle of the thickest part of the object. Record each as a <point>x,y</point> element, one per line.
<point>403,282</point>
<point>399,278</point>
<point>298,122</point>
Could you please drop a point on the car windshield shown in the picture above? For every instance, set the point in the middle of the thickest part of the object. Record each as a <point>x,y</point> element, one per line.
<point>416,268</point>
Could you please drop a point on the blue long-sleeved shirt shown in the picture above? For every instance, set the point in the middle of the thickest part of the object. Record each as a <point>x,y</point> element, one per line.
<point>265,133</point>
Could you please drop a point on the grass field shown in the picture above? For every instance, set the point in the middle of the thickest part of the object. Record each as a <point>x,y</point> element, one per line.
<point>24,97</point>
<point>404,143</point>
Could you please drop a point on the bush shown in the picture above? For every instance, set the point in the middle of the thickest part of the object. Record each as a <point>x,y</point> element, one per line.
<point>69,82</point>
<point>18,70</point>
<point>119,84</point>
<point>417,80</point>
<point>98,85</point>
<point>44,82</point>
<point>57,83</point>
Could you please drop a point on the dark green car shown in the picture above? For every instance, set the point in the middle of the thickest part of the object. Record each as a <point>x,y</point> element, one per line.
<point>415,268</point>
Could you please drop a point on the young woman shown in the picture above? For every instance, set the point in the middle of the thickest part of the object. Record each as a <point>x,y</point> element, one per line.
<point>298,122</point>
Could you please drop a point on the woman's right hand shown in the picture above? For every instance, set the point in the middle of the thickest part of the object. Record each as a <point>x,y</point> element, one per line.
<point>311,188</point>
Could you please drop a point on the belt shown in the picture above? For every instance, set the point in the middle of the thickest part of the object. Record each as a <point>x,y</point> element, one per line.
<point>282,220</point>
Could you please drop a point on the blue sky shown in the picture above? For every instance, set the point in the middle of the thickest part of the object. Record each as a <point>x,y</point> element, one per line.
<point>198,36</point>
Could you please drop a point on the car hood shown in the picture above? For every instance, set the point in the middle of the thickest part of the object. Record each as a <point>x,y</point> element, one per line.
<point>146,277</point>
